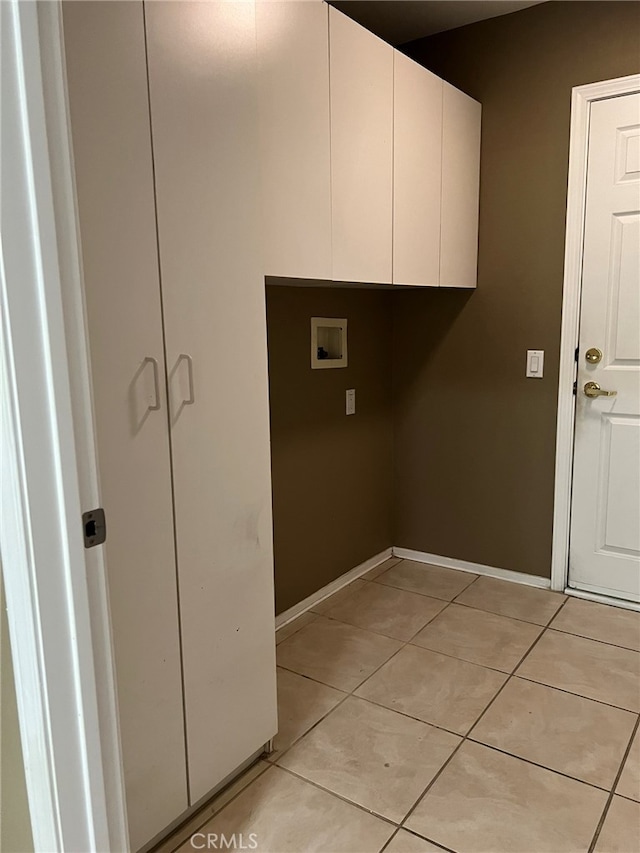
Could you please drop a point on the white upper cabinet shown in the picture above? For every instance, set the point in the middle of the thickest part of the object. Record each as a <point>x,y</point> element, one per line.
<point>460,189</point>
<point>361,71</point>
<point>370,163</point>
<point>293,48</point>
<point>417,173</point>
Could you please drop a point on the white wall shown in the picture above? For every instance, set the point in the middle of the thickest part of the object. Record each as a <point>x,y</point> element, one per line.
<point>15,824</point>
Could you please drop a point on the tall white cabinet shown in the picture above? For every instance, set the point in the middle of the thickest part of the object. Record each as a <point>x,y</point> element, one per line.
<point>109,110</point>
<point>163,107</point>
<point>204,115</point>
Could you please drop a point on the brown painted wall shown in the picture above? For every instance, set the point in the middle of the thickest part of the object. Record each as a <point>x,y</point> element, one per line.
<point>332,476</point>
<point>474,439</point>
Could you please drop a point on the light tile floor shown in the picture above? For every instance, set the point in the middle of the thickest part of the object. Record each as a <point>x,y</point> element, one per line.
<point>424,709</point>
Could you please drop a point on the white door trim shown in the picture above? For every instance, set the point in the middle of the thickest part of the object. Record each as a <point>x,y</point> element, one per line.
<point>56,596</point>
<point>581,99</point>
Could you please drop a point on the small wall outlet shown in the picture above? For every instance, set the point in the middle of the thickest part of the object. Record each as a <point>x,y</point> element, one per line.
<point>535,363</point>
<point>351,401</point>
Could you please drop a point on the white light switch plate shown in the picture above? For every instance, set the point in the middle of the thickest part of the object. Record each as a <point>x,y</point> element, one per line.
<point>351,401</point>
<point>535,363</point>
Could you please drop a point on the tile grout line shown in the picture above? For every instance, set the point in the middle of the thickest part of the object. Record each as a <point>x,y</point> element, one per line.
<point>388,636</point>
<point>457,734</point>
<point>338,796</point>
<point>347,693</point>
<point>570,693</point>
<point>311,613</point>
<point>512,674</point>
<point>389,840</point>
<point>536,764</point>
<point>465,737</point>
<point>592,639</point>
<point>612,793</point>
<point>308,731</point>
<point>422,838</point>
<point>210,804</point>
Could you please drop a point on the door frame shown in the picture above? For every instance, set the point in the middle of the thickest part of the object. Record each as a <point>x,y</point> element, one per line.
<point>581,99</point>
<point>56,590</point>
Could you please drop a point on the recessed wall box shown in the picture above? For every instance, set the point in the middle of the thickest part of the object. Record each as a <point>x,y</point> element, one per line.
<point>328,342</point>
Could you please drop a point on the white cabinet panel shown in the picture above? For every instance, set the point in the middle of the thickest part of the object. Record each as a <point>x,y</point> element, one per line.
<point>460,189</point>
<point>203,82</point>
<point>107,84</point>
<point>293,47</point>
<point>361,68</point>
<point>417,173</point>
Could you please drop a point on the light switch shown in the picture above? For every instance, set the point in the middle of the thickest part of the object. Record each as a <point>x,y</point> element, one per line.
<point>351,401</point>
<point>535,363</point>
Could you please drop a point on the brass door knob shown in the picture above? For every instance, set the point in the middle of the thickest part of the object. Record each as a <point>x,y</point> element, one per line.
<point>592,389</point>
<point>593,355</point>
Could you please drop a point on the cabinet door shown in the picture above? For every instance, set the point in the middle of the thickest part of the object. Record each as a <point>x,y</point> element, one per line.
<point>417,172</point>
<point>460,189</point>
<point>204,113</point>
<point>107,84</point>
<point>293,47</point>
<point>361,152</point>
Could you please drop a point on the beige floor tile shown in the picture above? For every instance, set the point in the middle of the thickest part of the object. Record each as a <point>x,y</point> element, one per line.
<point>184,832</point>
<point>289,815</point>
<point>291,627</point>
<point>629,784</point>
<point>586,667</point>
<point>374,757</point>
<point>336,654</point>
<point>406,842</point>
<point>386,610</point>
<point>564,732</point>
<point>488,802</point>
<point>301,703</point>
<point>434,688</point>
<point>339,596</point>
<point>378,570</point>
<point>512,599</point>
<point>600,622</point>
<point>479,637</point>
<point>621,830</point>
<point>426,579</point>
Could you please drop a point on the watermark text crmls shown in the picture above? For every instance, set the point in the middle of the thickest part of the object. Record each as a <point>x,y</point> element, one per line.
<point>220,841</point>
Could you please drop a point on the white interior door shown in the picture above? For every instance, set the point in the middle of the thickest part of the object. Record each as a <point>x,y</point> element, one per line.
<point>605,524</point>
<point>109,108</point>
<point>204,112</point>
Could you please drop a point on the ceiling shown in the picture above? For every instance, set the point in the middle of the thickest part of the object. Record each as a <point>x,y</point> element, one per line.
<point>400,21</point>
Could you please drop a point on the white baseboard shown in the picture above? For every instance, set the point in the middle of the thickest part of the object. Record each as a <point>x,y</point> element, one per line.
<point>332,587</point>
<point>406,554</point>
<point>476,568</point>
